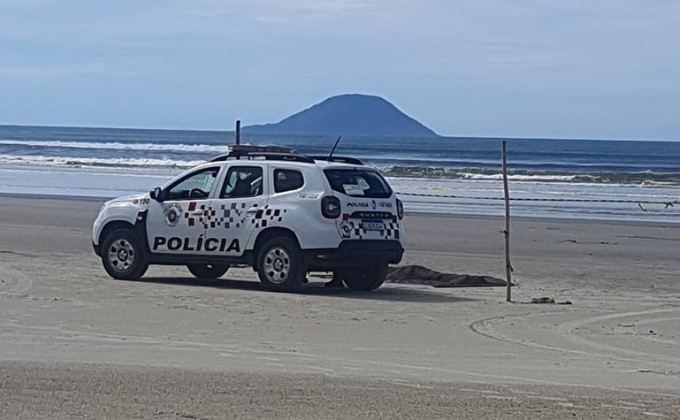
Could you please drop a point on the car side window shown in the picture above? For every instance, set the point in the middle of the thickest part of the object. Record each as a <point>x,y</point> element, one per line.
<point>287,180</point>
<point>242,181</point>
<point>194,187</point>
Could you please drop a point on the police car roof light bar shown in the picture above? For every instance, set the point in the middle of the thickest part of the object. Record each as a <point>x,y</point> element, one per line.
<point>243,148</point>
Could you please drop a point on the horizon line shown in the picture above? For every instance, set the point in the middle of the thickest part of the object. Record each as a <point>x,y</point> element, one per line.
<point>204,130</point>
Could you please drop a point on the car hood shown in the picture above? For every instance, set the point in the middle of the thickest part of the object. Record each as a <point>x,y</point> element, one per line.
<point>140,200</point>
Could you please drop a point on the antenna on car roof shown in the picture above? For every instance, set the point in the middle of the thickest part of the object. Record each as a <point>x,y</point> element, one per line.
<point>238,132</point>
<point>330,155</point>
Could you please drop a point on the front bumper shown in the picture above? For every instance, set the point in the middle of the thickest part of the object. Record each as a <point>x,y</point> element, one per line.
<point>96,249</point>
<point>355,253</point>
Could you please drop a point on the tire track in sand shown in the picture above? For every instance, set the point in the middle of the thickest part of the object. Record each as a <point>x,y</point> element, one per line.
<point>13,282</point>
<point>484,327</point>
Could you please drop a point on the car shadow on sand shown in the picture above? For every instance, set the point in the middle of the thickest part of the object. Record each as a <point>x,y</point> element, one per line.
<point>388,292</point>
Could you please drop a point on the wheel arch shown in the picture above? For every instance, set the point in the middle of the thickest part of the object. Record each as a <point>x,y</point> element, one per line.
<point>111,226</point>
<point>131,264</point>
<point>139,226</point>
<point>269,233</point>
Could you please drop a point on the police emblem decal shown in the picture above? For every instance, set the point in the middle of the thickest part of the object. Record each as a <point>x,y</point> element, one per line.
<point>172,214</point>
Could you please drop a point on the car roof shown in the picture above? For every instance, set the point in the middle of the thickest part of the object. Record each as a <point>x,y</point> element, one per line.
<point>269,153</point>
<point>322,164</point>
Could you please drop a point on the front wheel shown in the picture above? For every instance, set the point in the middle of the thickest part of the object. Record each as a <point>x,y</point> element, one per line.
<point>207,271</point>
<point>280,264</point>
<point>364,278</point>
<point>122,255</point>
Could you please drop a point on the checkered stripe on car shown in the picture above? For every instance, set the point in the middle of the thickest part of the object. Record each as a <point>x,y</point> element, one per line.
<point>358,231</point>
<point>232,216</point>
<point>268,215</point>
<point>208,218</point>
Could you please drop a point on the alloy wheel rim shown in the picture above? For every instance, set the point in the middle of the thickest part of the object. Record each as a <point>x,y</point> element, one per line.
<point>277,265</point>
<point>121,255</point>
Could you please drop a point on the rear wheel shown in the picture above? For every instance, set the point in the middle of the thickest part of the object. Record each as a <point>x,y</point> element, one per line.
<point>207,271</point>
<point>122,255</point>
<point>364,278</point>
<point>280,264</point>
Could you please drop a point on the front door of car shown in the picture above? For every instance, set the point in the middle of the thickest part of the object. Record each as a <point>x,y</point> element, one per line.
<point>176,224</point>
<point>239,207</point>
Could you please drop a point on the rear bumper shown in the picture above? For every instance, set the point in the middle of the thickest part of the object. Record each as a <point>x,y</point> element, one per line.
<point>355,252</point>
<point>96,249</point>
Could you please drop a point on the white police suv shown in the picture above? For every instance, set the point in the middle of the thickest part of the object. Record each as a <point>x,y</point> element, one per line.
<point>284,214</point>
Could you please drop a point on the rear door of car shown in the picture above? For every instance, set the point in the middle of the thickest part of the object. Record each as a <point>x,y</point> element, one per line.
<point>238,207</point>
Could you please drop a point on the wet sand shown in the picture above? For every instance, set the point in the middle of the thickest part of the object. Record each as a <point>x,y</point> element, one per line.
<point>75,343</point>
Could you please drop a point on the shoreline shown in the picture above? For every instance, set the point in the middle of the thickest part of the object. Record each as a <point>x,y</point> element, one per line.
<point>447,197</point>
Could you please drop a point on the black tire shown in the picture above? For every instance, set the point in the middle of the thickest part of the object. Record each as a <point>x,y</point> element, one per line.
<point>207,271</point>
<point>280,264</point>
<point>122,255</point>
<point>364,278</point>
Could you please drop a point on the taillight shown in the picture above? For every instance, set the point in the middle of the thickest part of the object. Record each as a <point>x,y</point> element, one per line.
<point>400,209</point>
<point>330,207</point>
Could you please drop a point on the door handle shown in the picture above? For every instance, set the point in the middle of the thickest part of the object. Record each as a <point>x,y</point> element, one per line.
<point>252,210</point>
<point>197,213</point>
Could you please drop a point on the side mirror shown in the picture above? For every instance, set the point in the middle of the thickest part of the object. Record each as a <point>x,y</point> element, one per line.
<point>155,194</point>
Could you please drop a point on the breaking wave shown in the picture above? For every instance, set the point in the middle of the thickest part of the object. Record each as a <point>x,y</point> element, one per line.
<point>175,148</point>
<point>97,162</point>
<point>646,178</point>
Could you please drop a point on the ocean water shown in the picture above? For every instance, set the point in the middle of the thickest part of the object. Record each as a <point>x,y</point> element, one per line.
<point>458,175</point>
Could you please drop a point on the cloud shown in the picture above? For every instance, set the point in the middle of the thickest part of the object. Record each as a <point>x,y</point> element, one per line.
<point>48,73</point>
<point>484,40</point>
<point>24,4</point>
<point>297,9</point>
<point>317,8</point>
<point>432,52</point>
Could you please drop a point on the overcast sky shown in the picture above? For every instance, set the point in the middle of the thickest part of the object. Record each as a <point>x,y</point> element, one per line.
<point>521,68</point>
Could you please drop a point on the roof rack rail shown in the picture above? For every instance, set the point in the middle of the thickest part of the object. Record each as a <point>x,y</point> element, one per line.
<point>266,155</point>
<point>339,159</point>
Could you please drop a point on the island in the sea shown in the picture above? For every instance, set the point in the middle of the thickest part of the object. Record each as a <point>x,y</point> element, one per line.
<point>350,114</point>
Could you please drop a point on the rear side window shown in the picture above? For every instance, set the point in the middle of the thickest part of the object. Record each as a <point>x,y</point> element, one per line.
<point>287,180</point>
<point>358,183</point>
<point>242,181</point>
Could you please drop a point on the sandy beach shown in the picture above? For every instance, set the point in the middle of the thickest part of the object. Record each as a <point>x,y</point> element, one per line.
<point>75,343</point>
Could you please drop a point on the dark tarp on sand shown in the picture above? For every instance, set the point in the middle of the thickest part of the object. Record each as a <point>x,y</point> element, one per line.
<point>416,274</point>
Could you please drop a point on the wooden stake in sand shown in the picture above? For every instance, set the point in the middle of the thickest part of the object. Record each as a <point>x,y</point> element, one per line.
<point>506,232</point>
